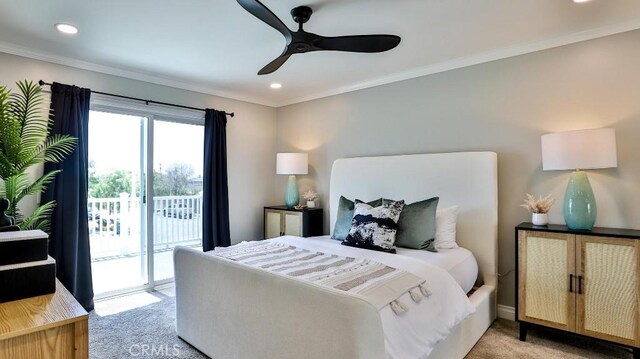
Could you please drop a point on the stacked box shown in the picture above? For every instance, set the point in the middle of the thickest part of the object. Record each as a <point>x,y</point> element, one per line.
<point>26,270</point>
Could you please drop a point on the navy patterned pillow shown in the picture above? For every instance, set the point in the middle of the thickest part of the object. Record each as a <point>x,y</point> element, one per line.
<point>374,227</point>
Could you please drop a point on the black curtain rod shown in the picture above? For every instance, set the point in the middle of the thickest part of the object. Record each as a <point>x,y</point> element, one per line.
<point>42,83</point>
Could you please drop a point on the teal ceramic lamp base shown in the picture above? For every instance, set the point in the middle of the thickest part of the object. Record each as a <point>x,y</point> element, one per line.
<point>292,196</point>
<point>579,203</point>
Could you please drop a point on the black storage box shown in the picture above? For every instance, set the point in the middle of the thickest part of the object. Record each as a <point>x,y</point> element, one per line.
<point>24,280</point>
<point>23,246</point>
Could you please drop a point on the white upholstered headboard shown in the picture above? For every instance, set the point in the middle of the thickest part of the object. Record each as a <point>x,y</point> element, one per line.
<point>466,179</point>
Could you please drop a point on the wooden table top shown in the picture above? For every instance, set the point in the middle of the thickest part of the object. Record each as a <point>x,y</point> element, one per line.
<point>34,314</point>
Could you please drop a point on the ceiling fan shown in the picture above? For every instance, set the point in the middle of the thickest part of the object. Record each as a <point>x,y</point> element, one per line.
<point>300,41</point>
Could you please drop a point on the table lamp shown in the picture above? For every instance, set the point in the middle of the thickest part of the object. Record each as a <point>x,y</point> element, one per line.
<point>579,150</point>
<point>292,164</point>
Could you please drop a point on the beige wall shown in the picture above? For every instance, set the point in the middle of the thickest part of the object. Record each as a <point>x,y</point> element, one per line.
<point>250,134</point>
<point>502,106</point>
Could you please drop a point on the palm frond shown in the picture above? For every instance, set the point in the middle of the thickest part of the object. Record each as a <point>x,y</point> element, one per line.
<point>53,149</point>
<point>3,189</point>
<point>38,186</point>
<point>40,218</point>
<point>28,106</point>
<point>6,166</point>
<point>5,106</point>
<point>14,185</point>
<point>27,102</point>
<point>58,147</point>
<point>19,217</point>
<point>11,142</point>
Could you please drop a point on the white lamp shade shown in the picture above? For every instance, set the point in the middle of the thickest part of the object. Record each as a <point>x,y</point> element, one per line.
<point>582,149</point>
<point>292,164</point>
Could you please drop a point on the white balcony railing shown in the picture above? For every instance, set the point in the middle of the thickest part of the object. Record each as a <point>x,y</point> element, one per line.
<point>115,224</point>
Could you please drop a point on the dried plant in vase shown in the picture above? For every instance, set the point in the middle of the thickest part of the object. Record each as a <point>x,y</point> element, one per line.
<point>311,196</point>
<point>539,208</point>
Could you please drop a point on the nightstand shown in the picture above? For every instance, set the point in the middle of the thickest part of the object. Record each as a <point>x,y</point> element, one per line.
<point>281,221</point>
<point>584,282</point>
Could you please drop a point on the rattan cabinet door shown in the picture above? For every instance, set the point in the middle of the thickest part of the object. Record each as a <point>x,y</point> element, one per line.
<point>293,224</point>
<point>272,223</point>
<point>546,264</point>
<point>607,302</point>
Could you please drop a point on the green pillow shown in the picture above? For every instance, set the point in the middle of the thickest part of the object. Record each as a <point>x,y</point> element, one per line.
<point>417,225</point>
<point>345,216</point>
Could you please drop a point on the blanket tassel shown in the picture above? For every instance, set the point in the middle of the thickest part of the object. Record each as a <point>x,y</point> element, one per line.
<point>398,307</point>
<point>415,294</point>
<point>424,290</point>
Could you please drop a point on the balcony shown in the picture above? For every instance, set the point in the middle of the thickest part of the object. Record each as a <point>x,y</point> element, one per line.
<point>118,233</point>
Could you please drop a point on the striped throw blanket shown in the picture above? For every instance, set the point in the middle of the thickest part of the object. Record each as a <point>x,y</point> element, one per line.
<point>377,283</point>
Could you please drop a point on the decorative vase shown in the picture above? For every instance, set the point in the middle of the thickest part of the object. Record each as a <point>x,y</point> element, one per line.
<point>311,204</point>
<point>292,197</point>
<point>539,219</point>
<point>579,203</point>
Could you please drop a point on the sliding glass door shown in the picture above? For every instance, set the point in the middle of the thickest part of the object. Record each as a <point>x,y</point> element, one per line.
<point>178,151</point>
<point>132,158</point>
<point>117,226</point>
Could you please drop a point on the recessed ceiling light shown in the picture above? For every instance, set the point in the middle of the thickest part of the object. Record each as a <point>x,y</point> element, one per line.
<point>275,85</point>
<point>579,1</point>
<point>67,29</point>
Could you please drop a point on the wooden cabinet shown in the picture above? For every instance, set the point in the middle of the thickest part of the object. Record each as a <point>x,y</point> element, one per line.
<point>53,326</point>
<point>280,221</point>
<point>578,281</point>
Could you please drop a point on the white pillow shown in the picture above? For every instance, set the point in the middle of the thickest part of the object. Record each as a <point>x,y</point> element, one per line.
<point>446,228</point>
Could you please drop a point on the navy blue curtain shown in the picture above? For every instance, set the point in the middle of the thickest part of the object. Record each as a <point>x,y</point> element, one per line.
<point>69,239</point>
<point>215,209</point>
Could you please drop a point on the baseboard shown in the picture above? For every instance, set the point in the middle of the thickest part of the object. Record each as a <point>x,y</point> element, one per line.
<point>506,312</point>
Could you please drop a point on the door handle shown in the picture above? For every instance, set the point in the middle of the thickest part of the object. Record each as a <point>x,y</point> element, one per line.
<point>570,283</point>
<point>579,284</point>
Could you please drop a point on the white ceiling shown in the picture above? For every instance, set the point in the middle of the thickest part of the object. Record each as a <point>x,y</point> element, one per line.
<point>216,47</point>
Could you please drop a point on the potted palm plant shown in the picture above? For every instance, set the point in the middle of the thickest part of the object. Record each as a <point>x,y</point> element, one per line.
<point>26,142</point>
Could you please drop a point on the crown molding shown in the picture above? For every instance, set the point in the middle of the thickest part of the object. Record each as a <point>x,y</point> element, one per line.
<point>13,49</point>
<point>477,59</point>
<point>453,64</point>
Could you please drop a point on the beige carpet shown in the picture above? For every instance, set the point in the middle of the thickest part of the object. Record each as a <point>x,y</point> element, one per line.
<point>501,341</point>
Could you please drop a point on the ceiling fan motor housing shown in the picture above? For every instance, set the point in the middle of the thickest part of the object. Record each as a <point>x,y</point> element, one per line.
<point>301,14</point>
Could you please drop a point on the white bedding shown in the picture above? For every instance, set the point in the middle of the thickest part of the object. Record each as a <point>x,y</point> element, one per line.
<point>415,333</point>
<point>459,262</point>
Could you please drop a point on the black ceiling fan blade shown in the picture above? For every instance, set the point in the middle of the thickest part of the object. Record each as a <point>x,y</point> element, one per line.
<point>257,9</point>
<point>358,43</point>
<point>274,65</point>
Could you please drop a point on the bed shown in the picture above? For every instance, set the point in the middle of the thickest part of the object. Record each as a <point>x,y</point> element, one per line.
<point>230,310</point>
